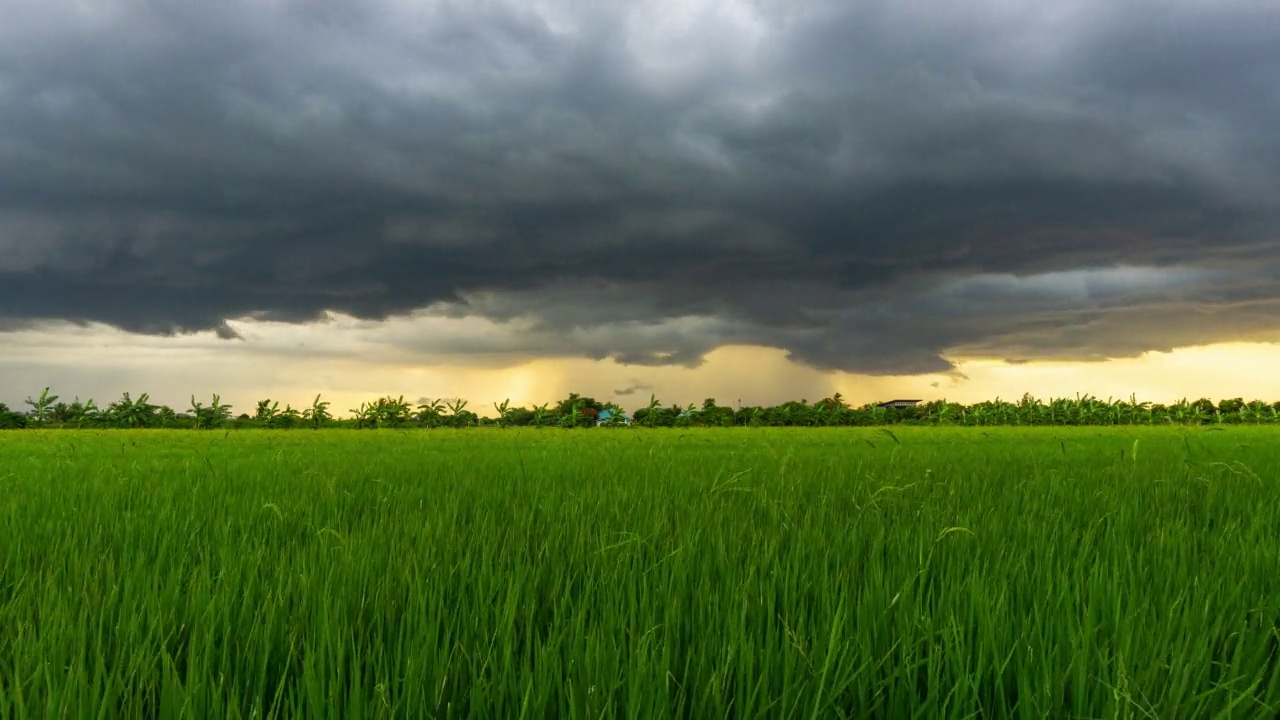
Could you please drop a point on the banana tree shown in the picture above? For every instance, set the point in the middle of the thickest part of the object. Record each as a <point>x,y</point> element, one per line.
<point>218,411</point>
<point>575,412</point>
<point>651,410</point>
<point>1254,412</point>
<point>1006,413</point>
<point>504,413</point>
<point>878,414</point>
<point>431,413</point>
<point>1063,412</point>
<point>459,416</point>
<point>129,413</point>
<point>1092,411</point>
<point>198,412</point>
<point>41,406</point>
<point>267,411</point>
<point>947,412</point>
<point>392,412</point>
<point>270,414</point>
<point>89,414</point>
<point>289,417</point>
<point>836,402</point>
<point>1181,412</point>
<point>212,416</point>
<point>540,415</point>
<point>366,416</point>
<point>317,414</point>
<point>686,416</point>
<point>1142,411</point>
<point>1030,410</point>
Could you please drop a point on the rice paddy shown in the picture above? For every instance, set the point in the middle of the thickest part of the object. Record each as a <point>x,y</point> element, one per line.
<point>705,573</point>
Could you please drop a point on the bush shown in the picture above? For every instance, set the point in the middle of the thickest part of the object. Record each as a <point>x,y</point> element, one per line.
<point>10,420</point>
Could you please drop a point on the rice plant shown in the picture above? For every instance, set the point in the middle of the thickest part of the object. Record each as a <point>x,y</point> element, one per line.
<point>837,573</point>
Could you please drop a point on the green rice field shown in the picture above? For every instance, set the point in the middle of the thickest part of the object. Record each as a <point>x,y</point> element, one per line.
<point>704,573</point>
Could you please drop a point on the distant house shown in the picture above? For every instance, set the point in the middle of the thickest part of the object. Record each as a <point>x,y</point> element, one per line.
<point>899,404</point>
<point>607,416</point>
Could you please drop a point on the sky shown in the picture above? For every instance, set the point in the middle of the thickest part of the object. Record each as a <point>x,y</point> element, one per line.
<point>752,200</point>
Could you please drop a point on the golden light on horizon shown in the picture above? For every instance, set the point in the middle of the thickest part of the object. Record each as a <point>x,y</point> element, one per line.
<point>298,363</point>
<point>764,376</point>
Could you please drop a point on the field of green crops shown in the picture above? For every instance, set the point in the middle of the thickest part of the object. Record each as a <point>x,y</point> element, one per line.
<point>821,573</point>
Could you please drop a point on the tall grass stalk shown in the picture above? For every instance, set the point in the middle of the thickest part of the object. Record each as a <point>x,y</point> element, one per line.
<point>946,572</point>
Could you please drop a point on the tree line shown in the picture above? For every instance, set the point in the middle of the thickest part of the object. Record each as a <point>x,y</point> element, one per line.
<point>575,411</point>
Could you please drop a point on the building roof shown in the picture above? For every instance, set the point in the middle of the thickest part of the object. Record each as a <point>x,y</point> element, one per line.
<point>898,402</point>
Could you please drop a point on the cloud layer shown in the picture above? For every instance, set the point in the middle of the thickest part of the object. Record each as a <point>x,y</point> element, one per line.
<point>864,184</point>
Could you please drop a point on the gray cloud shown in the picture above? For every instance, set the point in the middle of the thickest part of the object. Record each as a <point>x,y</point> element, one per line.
<point>635,387</point>
<point>867,185</point>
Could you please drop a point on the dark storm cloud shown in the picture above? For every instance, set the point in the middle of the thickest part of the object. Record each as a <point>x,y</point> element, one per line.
<point>635,387</point>
<point>866,185</point>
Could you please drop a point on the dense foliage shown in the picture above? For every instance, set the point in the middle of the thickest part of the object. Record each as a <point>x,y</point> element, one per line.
<point>576,411</point>
<point>877,573</point>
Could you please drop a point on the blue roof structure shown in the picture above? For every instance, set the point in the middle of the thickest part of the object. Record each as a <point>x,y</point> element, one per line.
<point>606,415</point>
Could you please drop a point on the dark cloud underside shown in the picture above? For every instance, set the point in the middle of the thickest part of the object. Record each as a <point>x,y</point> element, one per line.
<point>852,182</point>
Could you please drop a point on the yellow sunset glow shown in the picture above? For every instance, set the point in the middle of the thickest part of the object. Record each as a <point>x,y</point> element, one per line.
<point>292,364</point>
